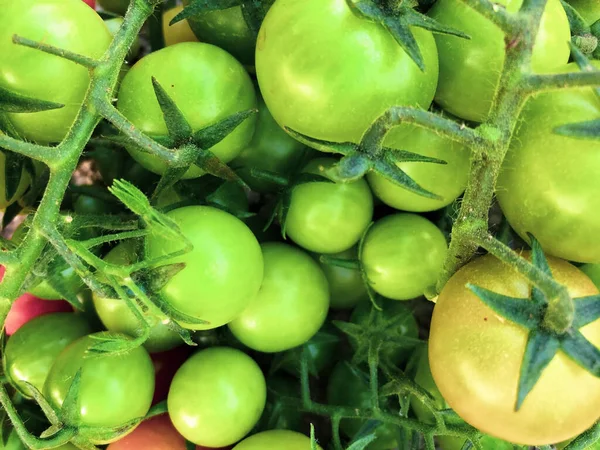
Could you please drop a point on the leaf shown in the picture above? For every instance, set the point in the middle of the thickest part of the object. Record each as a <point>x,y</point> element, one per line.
<point>210,136</point>
<point>586,440</point>
<point>343,148</point>
<point>582,351</point>
<point>519,310</point>
<point>178,127</point>
<point>12,102</point>
<point>587,310</point>
<point>540,350</point>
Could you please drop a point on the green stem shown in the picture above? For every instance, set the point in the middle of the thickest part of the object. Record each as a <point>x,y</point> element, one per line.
<point>50,49</point>
<point>497,14</point>
<point>539,83</point>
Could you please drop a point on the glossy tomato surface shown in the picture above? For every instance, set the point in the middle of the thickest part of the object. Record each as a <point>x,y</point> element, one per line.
<point>66,24</point>
<point>547,185</point>
<point>31,351</point>
<point>115,388</point>
<point>346,286</point>
<point>291,305</point>
<point>476,356</point>
<point>304,48</point>
<point>223,272</point>
<point>276,440</point>
<point>326,217</point>
<point>178,32</point>
<point>403,255</point>
<point>208,86</point>
<point>470,69</point>
<point>217,397</point>
<point>116,315</point>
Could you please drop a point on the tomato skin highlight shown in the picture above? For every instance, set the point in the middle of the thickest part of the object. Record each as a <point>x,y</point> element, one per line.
<point>276,440</point>
<point>114,390</point>
<point>220,86</point>
<point>217,397</point>
<point>403,255</point>
<point>31,351</point>
<point>475,357</point>
<point>302,49</point>
<point>224,271</point>
<point>43,76</point>
<point>546,185</point>
<point>291,305</point>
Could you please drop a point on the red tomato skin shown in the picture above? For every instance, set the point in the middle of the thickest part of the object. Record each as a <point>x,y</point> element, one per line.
<point>91,3</point>
<point>165,366</point>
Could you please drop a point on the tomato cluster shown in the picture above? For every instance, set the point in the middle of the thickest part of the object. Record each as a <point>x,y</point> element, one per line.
<point>286,243</point>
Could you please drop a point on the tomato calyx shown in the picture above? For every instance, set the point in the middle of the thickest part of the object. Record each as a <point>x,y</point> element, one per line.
<point>397,18</point>
<point>583,36</point>
<point>371,156</point>
<point>544,341</point>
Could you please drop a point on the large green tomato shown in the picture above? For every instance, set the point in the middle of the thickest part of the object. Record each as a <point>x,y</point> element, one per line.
<point>208,85</point>
<point>447,181</point>
<point>217,397</point>
<point>424,379</point>
<point>476,355</point>
<point>291,305</point>
<point>114,389</point>
<point>226,28</point>
<point>346,286</point>
<point>470,69</point>
<point>328,73</point>
<point>66,24</point>
<point>327,217</point>
<point>223,272</point>
<point>589,10</point>
<point>24,182</point>
<point>403,255</point>
<point>546,186</point>
<point>271,149</point>
<point>276,440</point>
<point>116,315</point>
<point>31,351</point>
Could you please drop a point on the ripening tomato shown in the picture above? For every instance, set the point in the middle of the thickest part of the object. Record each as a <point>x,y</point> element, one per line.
<point>403,255</point>
<point>27,307</point>
<point>223,272</point>
<point>276,440</point>
<point>209,85</point>
<point>589,10</point>
<point>156,433</point>
<point>31,351</point>
<point>470,68</point>
<point>291,305</point>
<point>327,217</point>
<point>178,32</point>
<point>447,181</point>
<point>346,286</point>
<point>166,364</point>
<point>116,315</point>
<point>24,182</point>
<point>545,185</point>
<point>90,3</point>
<point>66,24</point>
<point>303,48</point>
<point>115,388</point>
<point>476,355</point>
<point>217,397</point>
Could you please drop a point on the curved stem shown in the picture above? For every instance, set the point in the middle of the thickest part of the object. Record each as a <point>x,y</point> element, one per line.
<point>41,153</point>
<point>65,54</point>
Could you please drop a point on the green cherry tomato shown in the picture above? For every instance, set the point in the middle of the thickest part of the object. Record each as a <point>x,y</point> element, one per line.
<point>66,24</point>
<point>114,25</point>
<point>327,217</point>
<point>115,6</point>
<point>447,181</point>
<point>291,305</point>
<point>217,396</point>
<point>346,286</point>
<point>226,28</point>
<point>476,355</point>
<point>115,388</point>
<point>178,32</point>
<point>276,440</point>
<point>546,185</point>
<point>403,255</point>
<point>223,272</point>
<point>470,69</point>
<point>116,315</point>
<point>404,322</point>
<point>303,48</point>
<point>349,386</point>
<point>24,182</point>
<point>592,271</point>
<point>589,10</point>
<point>209,85</point>
<point>31,351</point>
<point>424,379</point>
<point>271,149</point>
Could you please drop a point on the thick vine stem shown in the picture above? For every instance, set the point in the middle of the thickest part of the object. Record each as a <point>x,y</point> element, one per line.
<point>41,153</point>
<point>538,83</point>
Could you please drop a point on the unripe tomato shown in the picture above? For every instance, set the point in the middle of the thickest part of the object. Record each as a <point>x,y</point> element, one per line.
<point>178,32</point>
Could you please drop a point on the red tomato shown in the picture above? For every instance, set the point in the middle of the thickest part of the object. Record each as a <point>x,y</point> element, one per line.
<point>165,366</point>
<point>91,3</point>
<point>27,307</point>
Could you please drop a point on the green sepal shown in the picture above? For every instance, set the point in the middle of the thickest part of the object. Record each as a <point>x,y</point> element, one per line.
<point>350,264</point>
<point>583,62</point>
<point>117,345</point>
<point>351,168</point>
<point>99,434</point>
<point>197,7</point>
<point>185,335</point>
<point>210,163</point>
<point>173,313</point>
<point>539,352</point>
<point>254,12</point>
<point>6,126</point>
<point>580,130</point>
<point>177,126</point>
<point>52,430</point>
<point>171,176</point>
<point>522,311</point>
<point>13,171</point>
<point>587,310</point>
<point>12,102</point>
<point>156,278</point>
<point>577,24</point>
<point>365,435</point>
<point>211,135</point>
<point>313,439</point>
<point>69,412</point>
<point>586,440</point>
<point>157,410</point>
<point>583,352</point>
<point>343,148</point>
<point>46,408</point>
